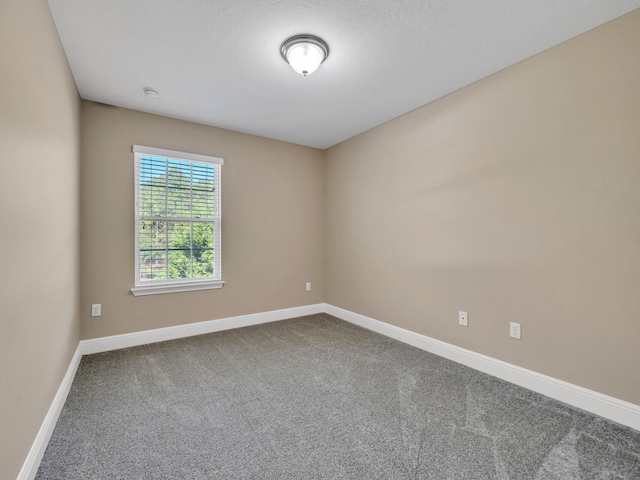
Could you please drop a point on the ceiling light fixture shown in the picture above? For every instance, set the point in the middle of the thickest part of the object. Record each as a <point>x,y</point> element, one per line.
<point>304,53</point>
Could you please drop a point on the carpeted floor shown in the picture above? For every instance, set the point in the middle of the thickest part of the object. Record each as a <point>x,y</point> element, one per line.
<point>316,397</point>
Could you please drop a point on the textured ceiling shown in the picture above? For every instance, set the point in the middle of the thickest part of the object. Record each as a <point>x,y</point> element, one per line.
<point>218,62</point>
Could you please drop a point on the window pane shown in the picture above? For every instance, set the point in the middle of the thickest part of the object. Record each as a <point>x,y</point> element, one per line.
<point>179,250</point>
<point>202,250</point>
<point>153,262</point>
<point>179,189</point>
<point>153,190</point>
<point>153,266</point>
<point>203,190</point>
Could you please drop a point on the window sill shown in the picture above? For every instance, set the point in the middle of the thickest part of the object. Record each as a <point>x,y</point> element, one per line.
<point>184,287</point>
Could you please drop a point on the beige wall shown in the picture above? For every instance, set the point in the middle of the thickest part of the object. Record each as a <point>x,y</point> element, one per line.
<point>515,199</point>
<point>272,222</point>
<point>39,223</point>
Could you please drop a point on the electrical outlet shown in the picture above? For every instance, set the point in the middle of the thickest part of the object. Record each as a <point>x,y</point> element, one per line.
<point>96,310</point>
<point>308,286</point>
<point>514,330</point>
<point>463,319</point>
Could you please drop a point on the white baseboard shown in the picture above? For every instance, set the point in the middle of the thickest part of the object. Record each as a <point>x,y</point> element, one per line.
<point>609,407</point>
<point>115,342</point>
<point>31,464</point>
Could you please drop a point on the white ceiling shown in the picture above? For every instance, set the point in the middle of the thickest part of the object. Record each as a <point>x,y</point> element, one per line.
<point>218,62</point>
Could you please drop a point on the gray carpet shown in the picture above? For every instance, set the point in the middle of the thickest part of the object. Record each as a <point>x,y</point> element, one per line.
<point>316,397</point>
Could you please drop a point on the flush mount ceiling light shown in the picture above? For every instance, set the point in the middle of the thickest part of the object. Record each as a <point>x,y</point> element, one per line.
<point>304,53</point>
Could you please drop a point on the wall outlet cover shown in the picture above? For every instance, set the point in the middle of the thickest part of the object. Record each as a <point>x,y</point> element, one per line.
<point>515,330</point>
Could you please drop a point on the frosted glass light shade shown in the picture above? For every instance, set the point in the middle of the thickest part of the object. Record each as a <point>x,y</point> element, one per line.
<point>304,53</point>
<point>305,58</point>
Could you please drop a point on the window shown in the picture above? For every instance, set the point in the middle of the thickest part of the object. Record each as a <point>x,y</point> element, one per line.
<point>177,221</point>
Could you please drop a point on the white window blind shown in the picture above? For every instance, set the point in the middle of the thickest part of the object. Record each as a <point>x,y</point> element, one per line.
<point>177,221</point>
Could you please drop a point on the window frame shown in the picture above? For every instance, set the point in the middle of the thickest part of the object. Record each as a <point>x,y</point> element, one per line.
<point>178,284</point>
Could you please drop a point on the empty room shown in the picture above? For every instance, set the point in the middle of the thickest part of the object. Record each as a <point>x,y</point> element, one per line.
<point>291,240</point>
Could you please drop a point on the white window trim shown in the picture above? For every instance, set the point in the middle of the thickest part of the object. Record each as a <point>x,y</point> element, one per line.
<point>176,155</point>
<point>178,285</point>
<point>181,287</point>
